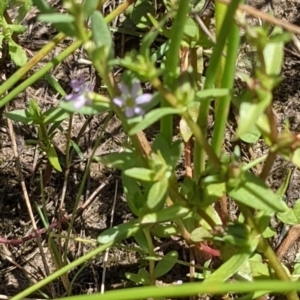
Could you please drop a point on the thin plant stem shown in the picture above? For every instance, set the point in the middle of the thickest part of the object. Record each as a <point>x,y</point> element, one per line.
<point>199,152</point>
<point>105,259</point>
<point>223,103</point>
<point>27,201</point>
<point>62,271</point>
<point>60,57</point>
<point>172,61</point>
<point>151,253</point>
<point>268,165</point>
<point>68,164</point>
<point>199,136</point>
<point>31,63</point>
<point>268,252</point>
<point>82,184</point>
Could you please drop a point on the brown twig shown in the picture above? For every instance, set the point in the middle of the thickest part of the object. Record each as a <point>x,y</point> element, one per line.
<point>266,17</point>
<point>27,200</point>
<point>292,236</point>
<point>65,219</point>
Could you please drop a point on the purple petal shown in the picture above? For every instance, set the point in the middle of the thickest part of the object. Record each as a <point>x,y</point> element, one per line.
<point>129,112</point>
<point>138,111</point>
<point>70,97</point>
<point>143,99</point>
<point>118,101</point>
<point>90,87</point>
<point>79,102</point>
<point>78,83</point>
<point>136,89</point>
<point>75,85</point>
<point>124,89</point>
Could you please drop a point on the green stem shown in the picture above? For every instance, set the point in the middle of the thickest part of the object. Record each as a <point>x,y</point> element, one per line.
<point>33,78</point>
<point>198,134</point>
<point>152,254</point>
<point>223,103</point>
<point>276,266</point>
<point>62,271</point>
<point>172,60</point>
<point>267,251</point>
<point>32,62</point>
<point>82,184</point>
<point>41,54</point>
<point>268,165</point>
<point>212,71</point>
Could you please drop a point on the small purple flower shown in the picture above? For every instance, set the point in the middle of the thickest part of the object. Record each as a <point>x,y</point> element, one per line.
<point>80,93</point>
<point>132,101</point>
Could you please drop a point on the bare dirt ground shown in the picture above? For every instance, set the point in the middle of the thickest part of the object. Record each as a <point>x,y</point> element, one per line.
<point>21,265</point>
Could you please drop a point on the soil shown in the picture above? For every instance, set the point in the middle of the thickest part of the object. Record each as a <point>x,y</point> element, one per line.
<point>22,265</point>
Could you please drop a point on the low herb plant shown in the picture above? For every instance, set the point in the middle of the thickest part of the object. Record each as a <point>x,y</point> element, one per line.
<point>162,204</point>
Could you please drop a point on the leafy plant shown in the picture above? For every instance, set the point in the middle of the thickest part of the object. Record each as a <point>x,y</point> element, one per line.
<point>162,204</point>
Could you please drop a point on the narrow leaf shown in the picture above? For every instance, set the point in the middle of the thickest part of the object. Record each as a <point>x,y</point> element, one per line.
<point>152,117</point>
<point>119,232</point>
<point>166,264</point>
<point>255,193</point>
<point>156,195</point>
<point>101,33</point>
<point>141,174</point>
<point>53,159</point>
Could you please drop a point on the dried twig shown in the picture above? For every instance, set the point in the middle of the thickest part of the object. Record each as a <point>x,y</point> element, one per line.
<point>107,250</point>
<point>266,17</point>
<point>65,219</point>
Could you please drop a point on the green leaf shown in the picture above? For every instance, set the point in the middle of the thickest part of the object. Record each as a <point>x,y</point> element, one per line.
<point>163,230</point>
<point>166,264</point>
<point>213,193</point>
<point>119,232</point>
<point>156,196</point>
<point>134,196</point>
<point>295,159</point>
<point>292,215</point>
<point>253,192</point>
<point>211,93</point>
<point>55,114</point>
<point>52,156</point>
<point>46,9</point>
<point>145,276</point>
<point>43,6</point>
<point>231,266</point>
<point>101,33</point>
<point>194,35</point>
<point>250,112</point>
<point>154,116</point>
<point>92,109</point>
<point>55,84</point>
<point>273,54</point>
<point>200,234</point>
<point>134,277</point>
<point>141,240</point>
<point>185,130</point>
<point>54,18</point>
<point>191,30</point>
<point>3,6</point>
<point>167,214</point>
<point>15,28</point>
<point>89,6</point>
<point>17,54</point>
<point>119,160</point>
<point>77,149</point>
<point>283,187</point>
<point>19,115</point>
<point>140,174</point>
<point>139,13</point>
